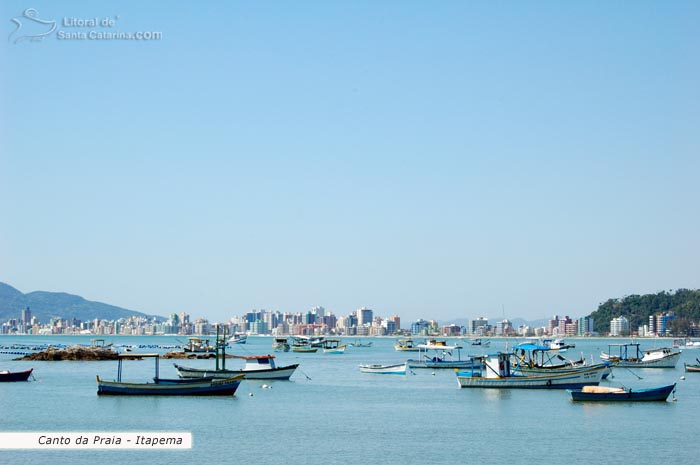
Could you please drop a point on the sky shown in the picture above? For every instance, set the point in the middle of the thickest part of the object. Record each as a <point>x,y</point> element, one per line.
<point>434,160</point>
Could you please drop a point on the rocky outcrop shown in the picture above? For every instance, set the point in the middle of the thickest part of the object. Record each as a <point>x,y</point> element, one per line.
<point>73,353</point>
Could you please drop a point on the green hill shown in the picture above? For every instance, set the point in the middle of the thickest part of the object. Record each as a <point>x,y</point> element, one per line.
<point>47,305</point>
<point>684,303</point>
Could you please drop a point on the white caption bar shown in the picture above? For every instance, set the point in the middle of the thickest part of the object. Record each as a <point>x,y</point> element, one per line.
<point>101,440</point>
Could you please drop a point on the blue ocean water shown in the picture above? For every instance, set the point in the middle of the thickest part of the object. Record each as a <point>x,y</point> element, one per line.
<point>331,413</point>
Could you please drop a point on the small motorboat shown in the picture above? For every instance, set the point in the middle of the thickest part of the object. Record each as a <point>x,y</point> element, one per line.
<point>399,369</point>
<point>613,394</point>
<point>9,376</point>
<point>692,368</point>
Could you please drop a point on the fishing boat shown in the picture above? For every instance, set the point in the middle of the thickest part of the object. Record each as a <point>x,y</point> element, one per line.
<point>302,344</point>
<point>281,344</point>
<point>198,345</point>
<point>692,368</point>
<point>359,343</point>
<point>238,338</point>
<point>164,387</point>
<point>256,367</point>
<point>535,359</point>
<point>333,346</point>
<point>612,394</point>
<point>11,376</point>
<point>399,369</point>
<point>437,354</point>
<point>480,342</point>
<point>495,371</point>
<point>629,355</point>
<point>406,345</point>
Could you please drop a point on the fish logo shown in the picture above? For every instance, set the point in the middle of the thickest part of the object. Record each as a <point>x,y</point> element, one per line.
<point>30,27</point>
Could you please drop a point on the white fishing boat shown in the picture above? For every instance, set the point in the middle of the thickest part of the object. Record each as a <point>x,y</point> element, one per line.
<point>256,367</point>
<point>630,355</point>
<point>494,371</point>
<point>198,345</point>
<point>333,346</point>
<point>238,338</point>
<point>281,344</point>
<point>406,345</point>
<point>399,369</point>
<point>437,354</point>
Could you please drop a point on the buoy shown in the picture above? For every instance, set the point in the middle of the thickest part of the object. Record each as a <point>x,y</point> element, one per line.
<point>250,394</point>
<point>682,378</point>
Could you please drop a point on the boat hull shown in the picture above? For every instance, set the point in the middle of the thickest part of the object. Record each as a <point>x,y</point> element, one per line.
<point>282,373</point>
<point>573,380</point>
<point>384,369</point>
<point>412,363</point>
<point>669,361</point>
<point>218,387</point>
<point>631,395</point>
<point>692,368</point>
<point>10,376</point>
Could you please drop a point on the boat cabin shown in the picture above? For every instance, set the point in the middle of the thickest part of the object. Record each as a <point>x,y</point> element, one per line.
<point>257,362</point>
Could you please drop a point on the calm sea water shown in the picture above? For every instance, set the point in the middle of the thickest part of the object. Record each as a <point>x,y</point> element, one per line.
<point>331,413</point>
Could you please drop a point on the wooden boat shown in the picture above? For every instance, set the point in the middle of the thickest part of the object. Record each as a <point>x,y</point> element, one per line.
<point>256,367</point>
<point>406,345</point>
<point>629,355</point>
<point>333,346</point>
<point>535,359</point>
<point>692,368</point>
<point>198,345</point>
<point>494,371</point>
<point>399,369</point>
<point>11,376</point>
<point>164,387</point>
<point>281,344</point>
<point>611,394</point>
<point>238,338</point>
<point>304,344</point>
<point>437,354</point>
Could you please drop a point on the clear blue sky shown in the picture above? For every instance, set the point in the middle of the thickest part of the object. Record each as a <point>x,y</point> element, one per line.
<point>431,159</point>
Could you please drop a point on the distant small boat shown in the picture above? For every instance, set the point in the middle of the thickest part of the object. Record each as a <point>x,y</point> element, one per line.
<point>10,376</point>
<point>333,346</point>
<point>692,368</point>
<point>238,338</point>
<point>399,369</point>
<point>405,345</point>
<point>611,394</point>
<point>359,343</point>
<point>480,342</point>
<point>281,344</point>
<point>198,345</point>
<point>437,354</point>
<point>302,344</point>
<point>629,355</point>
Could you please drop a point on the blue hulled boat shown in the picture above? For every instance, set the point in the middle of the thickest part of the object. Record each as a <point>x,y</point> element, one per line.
<point>611,394</point>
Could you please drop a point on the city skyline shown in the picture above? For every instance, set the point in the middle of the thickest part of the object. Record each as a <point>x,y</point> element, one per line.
<point>522,159</point>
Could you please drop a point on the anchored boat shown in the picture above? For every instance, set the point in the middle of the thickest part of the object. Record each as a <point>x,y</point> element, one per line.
<point>495,371</point>
<point>11,376</point>
<point>612,394</point>
<point>629,355</point>
<point>256,367</point>
<point>165,387</point>
<point>399,369</point>
<point>437,354</point>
